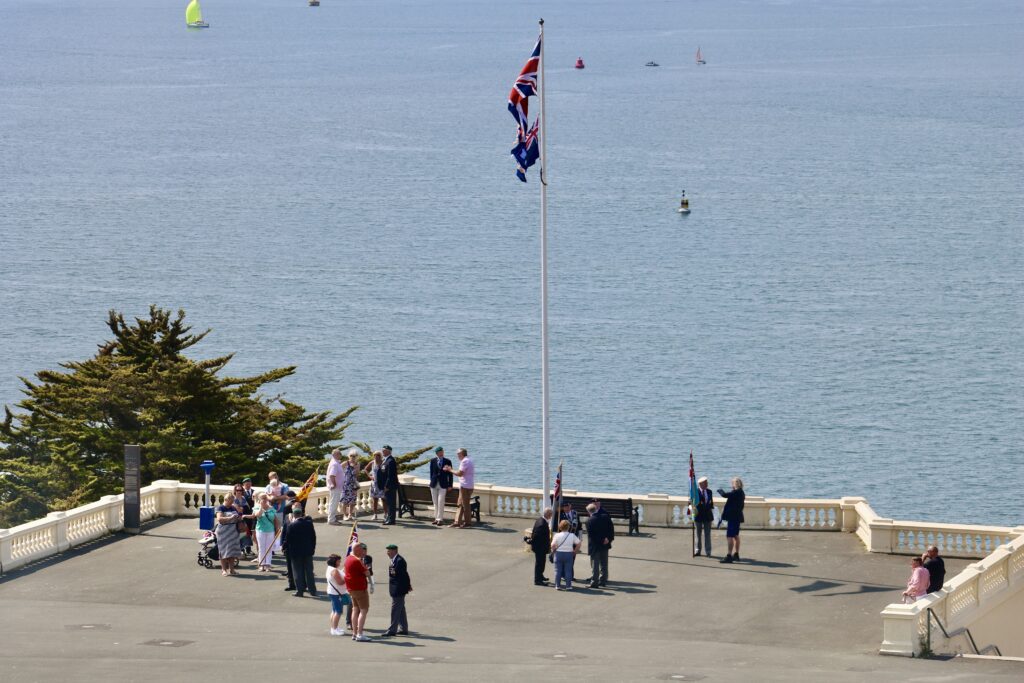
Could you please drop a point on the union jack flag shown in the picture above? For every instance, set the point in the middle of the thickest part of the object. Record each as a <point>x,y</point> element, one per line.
<point>524,88</point>
<point>557,495</point>
<point>556,499</point>
<point>527,148</point>
<point>353,539</point>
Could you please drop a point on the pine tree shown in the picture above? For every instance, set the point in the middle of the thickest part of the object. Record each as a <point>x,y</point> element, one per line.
<point>406,461</point>
<point>67,446</point>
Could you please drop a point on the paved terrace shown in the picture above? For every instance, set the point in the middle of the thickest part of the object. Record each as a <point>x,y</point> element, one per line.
<point>803,605</point>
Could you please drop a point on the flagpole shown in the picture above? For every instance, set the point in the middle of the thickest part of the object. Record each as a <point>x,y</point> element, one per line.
<point>544,393</point>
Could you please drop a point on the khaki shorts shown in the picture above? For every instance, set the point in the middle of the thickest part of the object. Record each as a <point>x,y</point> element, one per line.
<point>360,599</point>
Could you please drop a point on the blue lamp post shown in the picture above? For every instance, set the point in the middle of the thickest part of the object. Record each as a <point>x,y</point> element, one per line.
<point>206,511</point>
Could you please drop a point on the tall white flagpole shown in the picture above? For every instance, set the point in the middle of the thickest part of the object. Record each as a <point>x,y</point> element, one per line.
<point>545,398</point>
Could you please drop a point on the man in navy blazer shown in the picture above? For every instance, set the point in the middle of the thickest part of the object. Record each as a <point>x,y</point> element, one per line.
<point>387,481</point>
<point>399,585</point>
<point>600,534</point>
<point>440,483</point>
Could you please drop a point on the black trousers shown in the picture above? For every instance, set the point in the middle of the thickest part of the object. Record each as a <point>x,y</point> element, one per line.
<point>302,571</point>
<point>391,498</point>
<point>599,565</point>
<point>539,560</point>
<point>399,620</point>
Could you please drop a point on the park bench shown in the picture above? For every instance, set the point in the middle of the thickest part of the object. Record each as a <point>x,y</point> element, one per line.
<point>617,508</point>
<point>409,496</point>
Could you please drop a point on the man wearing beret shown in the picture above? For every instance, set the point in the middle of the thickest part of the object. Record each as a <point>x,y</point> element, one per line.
<point>399,585</point>
<point>387,481</point>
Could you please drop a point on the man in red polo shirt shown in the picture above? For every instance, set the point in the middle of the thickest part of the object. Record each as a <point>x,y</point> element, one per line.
<point>357,585</point>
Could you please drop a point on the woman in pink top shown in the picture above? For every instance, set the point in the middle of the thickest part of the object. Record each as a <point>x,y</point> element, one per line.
<point>917,586</point>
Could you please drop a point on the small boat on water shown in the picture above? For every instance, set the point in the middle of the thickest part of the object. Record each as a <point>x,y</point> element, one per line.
<point>580,64</point>
<point>314,3</point>
<point>700,57</point>
<point>684,204</point>
<point>652,64</point>
<point>194,15</point>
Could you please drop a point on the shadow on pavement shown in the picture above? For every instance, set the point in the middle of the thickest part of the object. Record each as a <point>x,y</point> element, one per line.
<point>423,636</point>
<point>739,567</point>
<point>764,563</point>
<point>863,589</point>
<point>85,548</point>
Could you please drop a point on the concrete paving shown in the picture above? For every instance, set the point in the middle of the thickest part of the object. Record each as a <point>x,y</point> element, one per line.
<point>802,605</point>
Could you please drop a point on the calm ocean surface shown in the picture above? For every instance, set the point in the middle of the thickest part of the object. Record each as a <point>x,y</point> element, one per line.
<point>330,187</point>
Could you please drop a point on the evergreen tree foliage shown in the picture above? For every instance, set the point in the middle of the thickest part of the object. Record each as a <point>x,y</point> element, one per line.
<point>406,461</point>
<point>65,446</point>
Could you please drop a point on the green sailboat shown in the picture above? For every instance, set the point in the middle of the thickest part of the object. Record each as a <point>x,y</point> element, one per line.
<point>194,15</point>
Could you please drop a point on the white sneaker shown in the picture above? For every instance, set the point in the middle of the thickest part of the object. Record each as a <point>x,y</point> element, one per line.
<point>337,631</point>
<point>375,518</point>
<point>363,638</point>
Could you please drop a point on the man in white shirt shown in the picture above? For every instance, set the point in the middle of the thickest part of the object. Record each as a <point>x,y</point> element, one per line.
<point>465,473</point>
<point>334,486</point>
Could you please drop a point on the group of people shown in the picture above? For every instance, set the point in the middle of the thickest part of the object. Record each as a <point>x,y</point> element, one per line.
<point>277,522</point>
<point>557,539</point>
<point>927,574</point>
<point>350,584</point>
<point>562,547</point>
<point>442,479</point>
<point>382,471</point>
<point>732,515</point>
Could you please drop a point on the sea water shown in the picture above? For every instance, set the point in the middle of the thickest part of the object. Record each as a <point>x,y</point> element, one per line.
<point>330,187</point>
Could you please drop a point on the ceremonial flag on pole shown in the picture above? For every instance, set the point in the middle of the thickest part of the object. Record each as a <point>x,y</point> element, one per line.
<point>527,149</point>
<point>556,497</point>
<point>308,487</point>
<point>353,539</point>
<point>694,491</point>
<point>556,501</point>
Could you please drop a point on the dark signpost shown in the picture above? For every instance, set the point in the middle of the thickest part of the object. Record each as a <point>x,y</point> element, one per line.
<point>132,486</point>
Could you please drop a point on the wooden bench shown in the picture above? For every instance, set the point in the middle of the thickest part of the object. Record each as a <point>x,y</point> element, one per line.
<point>615,507</point>
<point>409,496</point>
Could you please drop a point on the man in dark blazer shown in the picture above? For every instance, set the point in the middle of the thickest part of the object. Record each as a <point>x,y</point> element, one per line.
<point>540,544</point>
<point>600,534</point>
<point>286,520</point>
<point>399,585</point>
<point>387,481</point>
<point>703,516</point>
<point>440,483</point>
<point>301,540</point>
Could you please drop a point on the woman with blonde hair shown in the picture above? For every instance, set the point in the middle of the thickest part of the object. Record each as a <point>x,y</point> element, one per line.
<point>732,515</point>
<point>917,584</point>
<point>349,485</point>
<point>228,545</point>
<point>371,470</point>
<point>267,524</point>
<point>564,545</point>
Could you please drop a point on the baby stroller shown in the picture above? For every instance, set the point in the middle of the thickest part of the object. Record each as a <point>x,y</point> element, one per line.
<point>207,554</point>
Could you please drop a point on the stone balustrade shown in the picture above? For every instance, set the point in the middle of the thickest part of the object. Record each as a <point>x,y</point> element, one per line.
<point>59,531</point>
<point>962,600</point>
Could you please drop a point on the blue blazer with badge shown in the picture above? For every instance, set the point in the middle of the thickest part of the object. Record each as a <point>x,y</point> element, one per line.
<point>438,477</point>
<point>399,582</point>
